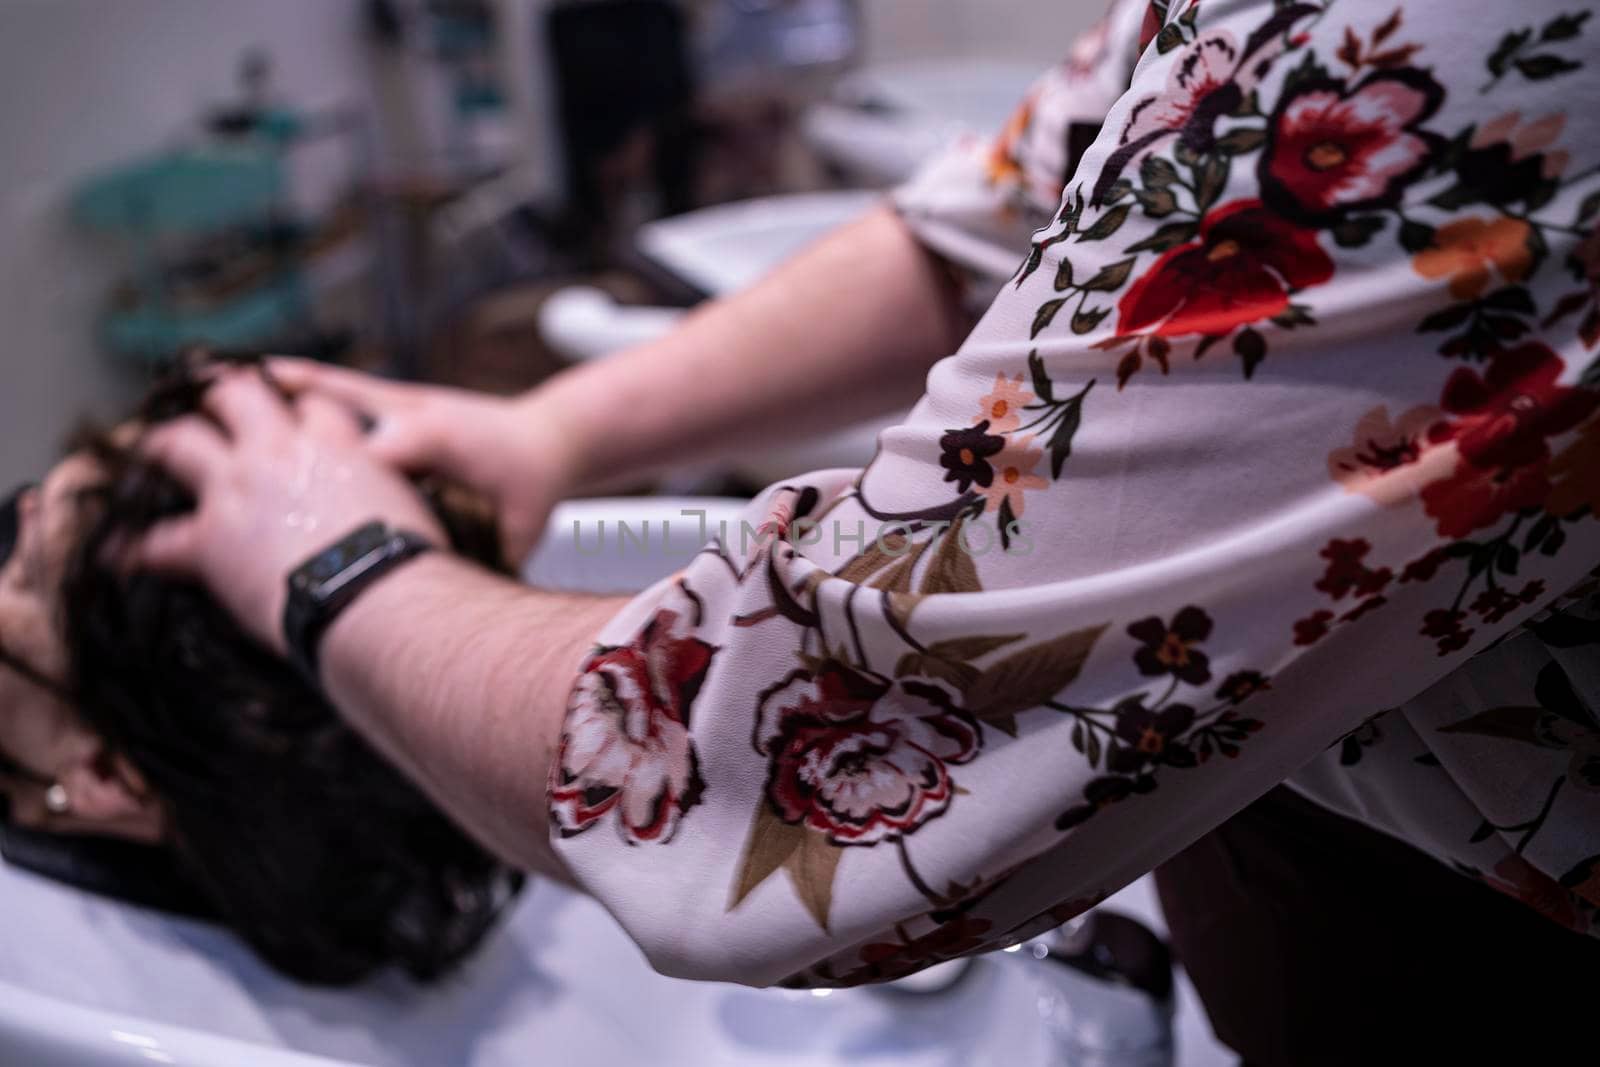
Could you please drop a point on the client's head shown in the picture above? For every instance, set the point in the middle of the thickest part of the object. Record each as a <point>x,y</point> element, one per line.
<point>133,707</point>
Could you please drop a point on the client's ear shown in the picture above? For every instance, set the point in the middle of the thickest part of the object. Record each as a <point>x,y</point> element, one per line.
<point>106,794</point>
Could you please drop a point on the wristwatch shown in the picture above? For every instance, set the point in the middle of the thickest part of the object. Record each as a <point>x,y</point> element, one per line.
<point>327,583</point>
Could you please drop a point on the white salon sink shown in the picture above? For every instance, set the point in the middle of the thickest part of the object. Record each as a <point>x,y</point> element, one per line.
<point>721,250</point>
<point>625,544</point>
<point>884,121</point>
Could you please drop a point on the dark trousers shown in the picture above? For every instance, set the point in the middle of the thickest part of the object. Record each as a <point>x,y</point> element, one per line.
<point>1315,940</point>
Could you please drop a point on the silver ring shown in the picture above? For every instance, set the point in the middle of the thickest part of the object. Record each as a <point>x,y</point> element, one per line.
<point>56,801</point>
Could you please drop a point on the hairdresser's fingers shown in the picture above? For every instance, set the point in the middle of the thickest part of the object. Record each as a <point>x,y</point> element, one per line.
<point>416,444</point>
<point>247,406</point>
<point>367,394</point>
<point>404,431</point>
<point>190,449</point>
<point>328,420</point>
<point>170,548</point>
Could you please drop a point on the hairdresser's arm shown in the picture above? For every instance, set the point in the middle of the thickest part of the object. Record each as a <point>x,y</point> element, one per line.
<point>461,678</point>
<point>845,330</point>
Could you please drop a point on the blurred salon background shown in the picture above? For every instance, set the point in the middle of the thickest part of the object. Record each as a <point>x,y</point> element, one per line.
<point>458,191</point>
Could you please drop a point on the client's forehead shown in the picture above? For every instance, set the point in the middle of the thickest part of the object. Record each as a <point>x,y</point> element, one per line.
<point>10,519</point>
<point>44,530</point>
<point>47,522</point>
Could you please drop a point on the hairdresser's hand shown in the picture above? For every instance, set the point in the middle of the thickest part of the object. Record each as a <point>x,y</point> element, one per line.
<point>274,485</point>
<point>500,447</point>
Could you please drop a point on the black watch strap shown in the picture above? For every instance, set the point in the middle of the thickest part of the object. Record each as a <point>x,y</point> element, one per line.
<point>328,582</point>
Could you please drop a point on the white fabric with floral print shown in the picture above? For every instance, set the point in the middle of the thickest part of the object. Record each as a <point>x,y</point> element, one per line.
<point>1269,461</point>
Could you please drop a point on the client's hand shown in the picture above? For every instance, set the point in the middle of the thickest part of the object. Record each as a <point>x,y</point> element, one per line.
<point>274,486</point>
<point>497,446</point>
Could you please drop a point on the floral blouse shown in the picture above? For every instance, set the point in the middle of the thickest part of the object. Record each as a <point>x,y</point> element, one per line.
<point>1275,457</point>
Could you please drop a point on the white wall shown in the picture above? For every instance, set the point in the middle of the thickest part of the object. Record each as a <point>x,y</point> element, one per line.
<point>1037,30</point>
<point>89,83</point>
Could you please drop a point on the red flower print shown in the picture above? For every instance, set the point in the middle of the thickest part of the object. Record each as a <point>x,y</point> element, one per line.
<point>1475,497</point>
<point>625,745</point>
<point>1170,649</point>
<point>1333,150</point>
<point>1505,416</point>
<point>885,961</point>
<point>1150,28</point>
<point>860,759</point>
<point>1241,270</point>
<point>1521,880</point>
<point>1576,474</point>
<point>1503,421</point>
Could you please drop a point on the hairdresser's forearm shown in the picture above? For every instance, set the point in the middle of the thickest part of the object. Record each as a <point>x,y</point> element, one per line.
<point>844,331</point>
<point>461,678</point>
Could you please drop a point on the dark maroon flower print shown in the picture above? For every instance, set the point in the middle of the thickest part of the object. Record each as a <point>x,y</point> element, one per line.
<point>1312,628</point>
<point>1242,685</point>
<point>1424,567</point>
<point>1347,570</point>
<point>1445,626</point>
<point>965,456</point>
<point>1509,161</point>
<point>625,746</point>
<point>1241,269</point>
<point>1171,649</point>
<point>1151,735</point>
<point>1366,607</point>
<point>860,759</point>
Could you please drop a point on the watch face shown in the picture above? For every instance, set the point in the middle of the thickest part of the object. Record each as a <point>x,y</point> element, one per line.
<point>331,562</point>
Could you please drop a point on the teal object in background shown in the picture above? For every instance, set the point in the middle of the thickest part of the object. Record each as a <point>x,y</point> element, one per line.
<point>187,192</point>
<point>182,196</point>
<point>247,322</point>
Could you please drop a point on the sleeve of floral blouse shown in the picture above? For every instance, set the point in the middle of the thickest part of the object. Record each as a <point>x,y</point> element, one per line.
<point>978,201</point>
<point>1290,410</point>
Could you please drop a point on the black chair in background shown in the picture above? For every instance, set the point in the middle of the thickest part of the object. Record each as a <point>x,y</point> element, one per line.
<point>624,94</point>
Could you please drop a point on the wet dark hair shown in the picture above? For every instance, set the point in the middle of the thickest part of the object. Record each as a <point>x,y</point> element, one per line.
<point>305,841</point>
